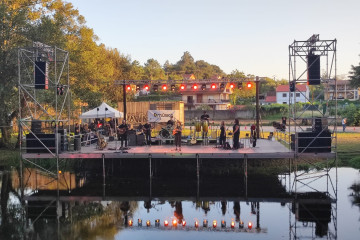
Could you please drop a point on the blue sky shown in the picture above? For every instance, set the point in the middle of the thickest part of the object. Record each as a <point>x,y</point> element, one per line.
<point>249,35</point>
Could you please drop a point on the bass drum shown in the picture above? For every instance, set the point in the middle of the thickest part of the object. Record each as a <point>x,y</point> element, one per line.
<point>198,126</point>
<point>205,126</point>
<point>164,133</point>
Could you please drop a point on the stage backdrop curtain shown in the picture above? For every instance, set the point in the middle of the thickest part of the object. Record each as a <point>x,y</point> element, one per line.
<point>101,113</point>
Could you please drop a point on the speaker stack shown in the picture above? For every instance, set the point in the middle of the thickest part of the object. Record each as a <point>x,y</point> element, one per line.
<point>313,66</point>
<point>41,75</point>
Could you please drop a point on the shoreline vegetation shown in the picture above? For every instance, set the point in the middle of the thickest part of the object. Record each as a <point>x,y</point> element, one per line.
<point>347,149</point>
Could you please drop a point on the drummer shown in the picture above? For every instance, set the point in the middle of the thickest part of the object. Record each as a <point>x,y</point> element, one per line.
<point>170,123</point>
<point>205,117</point>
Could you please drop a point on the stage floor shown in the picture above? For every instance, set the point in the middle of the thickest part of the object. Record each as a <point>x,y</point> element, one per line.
<point>265,149</point>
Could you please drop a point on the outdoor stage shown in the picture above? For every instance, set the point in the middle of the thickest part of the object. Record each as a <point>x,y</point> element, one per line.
<point>265,149</point>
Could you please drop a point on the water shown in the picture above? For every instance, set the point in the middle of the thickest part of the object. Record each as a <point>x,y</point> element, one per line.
<point>89,211</point>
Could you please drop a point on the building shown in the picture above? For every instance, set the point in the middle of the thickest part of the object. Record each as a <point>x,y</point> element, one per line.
<point>270,100</point>
<point>344,91</point>
<point>215,95</point>
<point>301,93</point>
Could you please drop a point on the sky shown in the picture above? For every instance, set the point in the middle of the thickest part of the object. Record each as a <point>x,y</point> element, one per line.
<point>252,36</point>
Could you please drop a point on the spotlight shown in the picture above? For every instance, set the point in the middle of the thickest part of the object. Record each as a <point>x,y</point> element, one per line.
<point>232,85</point>
<point>205,223</point>
<point>250,225</point>
<point>157,223</point>
<point>203,87</point>
<point>214,224</point>
<point>195,87</point>
<point>128,88</point>
<point>223,224</point>
<point>249,85</point>
<point>164,87</point>
<point>173,87</point>
<point>241,224</point>
<point>137,87</point>
<point>196,224</point>
<point>240,85</point>
<point>139,222</point>
<point>232,225</point>
<point>222,87</point>
<point>148,224</point>
<point>182,87</point>
<point>130,222</point>
<point>166,223</point>
<point>146,87</point>
<point>213,86</point>
<point>174,223</point>
<point>183,223</point>
<point>155,87</point>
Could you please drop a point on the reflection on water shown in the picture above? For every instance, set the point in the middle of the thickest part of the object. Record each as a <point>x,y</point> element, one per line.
<point>86,209</point>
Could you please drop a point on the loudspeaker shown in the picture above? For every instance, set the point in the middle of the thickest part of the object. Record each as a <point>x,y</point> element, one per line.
<point>36,126</point>
<point>321,144</point>
<point>41,75</point>
<point>140,139</point>
<point>33,145</point>
<point>313,65</point>
<point>132,139</point>
<point>77,144</point>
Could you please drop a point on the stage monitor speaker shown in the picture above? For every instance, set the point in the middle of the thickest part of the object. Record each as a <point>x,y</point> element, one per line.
<point>41,75</point>
<point>33,145</point>
<point>36,126</point>
<point>132,139</point>
<point>140,140</point>
<point>305,143</point>
<point>313,69</point>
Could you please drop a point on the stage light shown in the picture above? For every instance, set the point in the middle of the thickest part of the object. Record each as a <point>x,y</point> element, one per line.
<point>183,223</point>
<point>232,225</point>
<point>139,222</point>
<point>249,85</point>
<point>174,223</point>
<point>173,87</point>
<point>148,224</point>
<point>222,87</point>
<point>203,87</point>
<point>195,86</point>
<point>232,85</point>
<point>240,85</point>
<point>213,86</point>
<point>241,224</point>
<point>164,87</point>
<point>223,224</point>
<point>250,225</point>
<point>214,224</point>
<point>205,223</point>
<point>130,222</point>
<point>196,224</point>
<point>166,223</point>
<point>155,87</point>
<point>128,88</point>
<point>146,87</point>
<point>137,87</point>
<point>182,87</point>
<point>59,171</point>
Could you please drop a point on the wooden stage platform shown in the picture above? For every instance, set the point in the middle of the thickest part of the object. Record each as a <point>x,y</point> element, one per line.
<point>265,149</point>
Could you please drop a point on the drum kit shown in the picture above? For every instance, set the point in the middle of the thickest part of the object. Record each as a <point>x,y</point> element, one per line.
<point>166,132</point>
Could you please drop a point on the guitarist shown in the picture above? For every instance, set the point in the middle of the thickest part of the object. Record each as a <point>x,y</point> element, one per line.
<point>177,133</point>
<point>122,133</point>
<point>222,134</point>
<point>147,131</point>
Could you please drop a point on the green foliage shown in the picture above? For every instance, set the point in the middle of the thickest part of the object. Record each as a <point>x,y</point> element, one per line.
<point>204,107</point>
<point>352,113</point>
<point>355,76</point>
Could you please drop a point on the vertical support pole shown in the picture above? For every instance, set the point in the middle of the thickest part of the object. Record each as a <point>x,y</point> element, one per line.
<point>124,99</point>
<point>257,87</point>
<point>150,178</point>
<point>246,176</point>
<point>198,176</point>
<point>258,215</point>
<point>103,166</point>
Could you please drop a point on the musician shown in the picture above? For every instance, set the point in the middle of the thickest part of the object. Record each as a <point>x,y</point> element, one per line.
<point>171,122</point>
<point>177,134</point>
<point>122,133</point>
<point>236,134</point>
<point>204,117</point>
<point>147,131</point>
<point>222,138</point>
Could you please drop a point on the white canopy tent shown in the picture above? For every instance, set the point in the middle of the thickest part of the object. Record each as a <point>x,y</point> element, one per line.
<point>103,111</point>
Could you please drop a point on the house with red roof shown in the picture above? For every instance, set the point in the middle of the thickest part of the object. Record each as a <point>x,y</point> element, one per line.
<point>283,94</point>
<point>270,100</point>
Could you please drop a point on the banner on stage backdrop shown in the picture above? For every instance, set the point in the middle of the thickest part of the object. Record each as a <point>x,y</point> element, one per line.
<point>162,115</point>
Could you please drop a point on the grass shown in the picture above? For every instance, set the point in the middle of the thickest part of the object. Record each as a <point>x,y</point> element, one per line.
<point>9,157</point>
<point>348,148</point>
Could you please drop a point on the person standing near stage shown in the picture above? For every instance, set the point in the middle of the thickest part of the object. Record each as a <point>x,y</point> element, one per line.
<point>122,133</point>
<point>236,134</point>
<point>343,123</point>
<point>222,138</point>
<point>177,133</point>
<point>204,117</point>
<point>147,131</point>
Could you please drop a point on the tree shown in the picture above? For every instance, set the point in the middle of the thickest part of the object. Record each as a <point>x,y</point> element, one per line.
<point>186,64</point>
<point>153,70</point>
<point>355,76</point>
